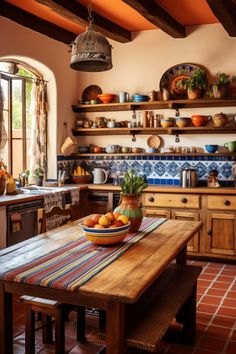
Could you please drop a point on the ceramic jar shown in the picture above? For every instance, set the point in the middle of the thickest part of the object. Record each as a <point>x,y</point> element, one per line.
<point>220,119</point>
<point>130,207</point>
<point>182,121</point>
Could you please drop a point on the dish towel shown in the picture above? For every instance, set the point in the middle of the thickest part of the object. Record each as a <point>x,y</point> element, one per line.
<point>51,200</point>
<point>74,194</point>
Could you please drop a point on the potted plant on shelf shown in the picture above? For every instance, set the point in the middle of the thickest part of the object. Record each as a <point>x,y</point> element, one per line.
<point>221,85</point>
<point>38,176</point>
<point>131,187</point>
<point>194,84</point>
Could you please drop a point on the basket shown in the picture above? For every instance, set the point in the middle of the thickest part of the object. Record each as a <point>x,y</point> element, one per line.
<point>154,141</point>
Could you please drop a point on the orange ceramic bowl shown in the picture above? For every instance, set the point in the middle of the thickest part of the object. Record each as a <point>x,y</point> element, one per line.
<point>81,179</point>
<point>199,120</point>
<point>106,97</point>
<point>106,236</point>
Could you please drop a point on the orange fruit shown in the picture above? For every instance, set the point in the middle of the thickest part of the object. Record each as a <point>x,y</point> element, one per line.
<point>96,217</point>
<point>124,219</point>
<point>104,221</point>
<point>89,222</point>
<point>117,223</point>
<point>97,226</point>
<point>110,216</point>
<point>116,215</point>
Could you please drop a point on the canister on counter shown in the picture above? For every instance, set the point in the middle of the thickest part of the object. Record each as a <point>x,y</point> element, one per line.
<point>145,119</point>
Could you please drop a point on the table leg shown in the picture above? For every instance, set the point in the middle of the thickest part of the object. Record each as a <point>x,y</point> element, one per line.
<point>6,337</point>
<point>182,256</point>
<point>115,328</point>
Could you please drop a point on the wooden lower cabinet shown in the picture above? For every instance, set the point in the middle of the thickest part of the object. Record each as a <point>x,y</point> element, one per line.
<point>194,244</point>
<point>158,213</point>
<point>221,233</point>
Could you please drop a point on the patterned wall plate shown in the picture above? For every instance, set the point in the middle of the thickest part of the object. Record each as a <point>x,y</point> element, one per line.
<point>154,141</point>
<point>91,92</point>
<point>174,74</point>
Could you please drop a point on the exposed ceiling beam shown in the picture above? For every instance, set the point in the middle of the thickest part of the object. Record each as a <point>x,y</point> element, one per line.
<point>35,23</point>
<point>155,14</point>
<point>225,11</point>
<point>77,13</point>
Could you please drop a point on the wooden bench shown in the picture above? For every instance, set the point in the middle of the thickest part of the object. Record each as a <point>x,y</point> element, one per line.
<point>173,295</point>
<point>48,309</point>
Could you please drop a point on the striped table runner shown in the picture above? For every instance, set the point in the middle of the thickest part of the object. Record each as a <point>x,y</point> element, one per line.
<point>76,262</point>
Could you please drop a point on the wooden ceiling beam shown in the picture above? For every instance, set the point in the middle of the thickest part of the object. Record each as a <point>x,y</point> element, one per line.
<point>155,14</point>
<point>35,23</point>
<point>77,13</point>
<point>225,11</point>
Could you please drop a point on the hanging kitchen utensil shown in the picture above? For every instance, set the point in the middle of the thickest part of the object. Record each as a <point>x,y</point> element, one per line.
<point>70,145</point>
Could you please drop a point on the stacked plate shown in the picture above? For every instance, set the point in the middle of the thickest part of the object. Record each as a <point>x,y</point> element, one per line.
<point>140,98</point>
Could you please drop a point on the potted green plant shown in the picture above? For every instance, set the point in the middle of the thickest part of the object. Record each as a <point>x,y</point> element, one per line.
<point>194,84</point>
<point>131,187</point>
<point>221,85</point>
<point>38,176</point>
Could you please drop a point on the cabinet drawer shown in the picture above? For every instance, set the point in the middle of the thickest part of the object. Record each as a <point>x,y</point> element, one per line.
<point>223,202</point>
<point>172,200</point>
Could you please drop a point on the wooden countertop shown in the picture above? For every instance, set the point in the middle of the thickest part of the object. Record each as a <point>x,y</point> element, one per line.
<point>168,189</point>
<point>25,197</point>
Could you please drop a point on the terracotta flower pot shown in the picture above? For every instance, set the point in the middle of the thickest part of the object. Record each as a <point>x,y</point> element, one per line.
<point>130,207</point>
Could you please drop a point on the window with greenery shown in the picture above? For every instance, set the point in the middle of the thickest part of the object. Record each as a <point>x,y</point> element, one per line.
<point>16,89</point>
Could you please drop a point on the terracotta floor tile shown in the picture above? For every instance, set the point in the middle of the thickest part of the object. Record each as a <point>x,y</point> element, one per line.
<point>210,270</point>
<point>220,285</point>
<point>231,272</point>
<point>203,318</point>
<point>233,288</point>
<point>206,308</point>
<point>201,290</point>
<point>212,343</point>
<point>211,300</point>
<point>225,278</point>
<point>203,283</point>
<point>233,336</point>
<point>216,292</point>
<point>230,266</point>
<point>217,331</point>
<point>215,265</point>
<point>223,321</point>
<point>205,276</point>
<point>229,302</point>
<point>227,311</point>
<point>231,348</point>
<point>231,294</point>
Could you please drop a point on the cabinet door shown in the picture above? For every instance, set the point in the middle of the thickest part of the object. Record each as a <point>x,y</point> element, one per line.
<point>100,202</point>
<point>159,213</point>
<point>221,233</point>
<point>193,244</point>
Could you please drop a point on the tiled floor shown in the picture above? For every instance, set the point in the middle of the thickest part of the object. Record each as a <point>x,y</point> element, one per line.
<point>216,319</point>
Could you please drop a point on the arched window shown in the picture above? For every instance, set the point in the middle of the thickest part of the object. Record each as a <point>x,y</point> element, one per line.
<point>23,124</point>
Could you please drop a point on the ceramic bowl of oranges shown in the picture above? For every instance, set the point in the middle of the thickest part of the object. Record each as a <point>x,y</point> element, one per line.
<point>106,229</point>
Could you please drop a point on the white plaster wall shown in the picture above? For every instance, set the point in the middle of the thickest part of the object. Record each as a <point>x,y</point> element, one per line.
<point>138,67</point>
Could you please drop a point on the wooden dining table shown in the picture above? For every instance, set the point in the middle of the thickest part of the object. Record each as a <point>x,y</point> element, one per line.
<point>120,283</point>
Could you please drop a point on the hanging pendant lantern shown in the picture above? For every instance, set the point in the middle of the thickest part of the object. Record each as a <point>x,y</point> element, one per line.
<point>91,51</point>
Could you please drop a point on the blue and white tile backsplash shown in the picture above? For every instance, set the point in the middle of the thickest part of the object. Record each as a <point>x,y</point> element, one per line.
<point>163,170</point>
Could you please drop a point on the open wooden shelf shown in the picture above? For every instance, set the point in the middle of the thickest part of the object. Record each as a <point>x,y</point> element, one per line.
<point>130,106</point>
<point>159,154</point>
<point>209,129</point>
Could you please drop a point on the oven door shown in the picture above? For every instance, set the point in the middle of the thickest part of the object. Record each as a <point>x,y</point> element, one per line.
<point>22,221</point>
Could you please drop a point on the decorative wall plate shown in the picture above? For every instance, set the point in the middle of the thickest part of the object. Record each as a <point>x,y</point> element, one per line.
<point>91,92</point>
<point>174,74</point>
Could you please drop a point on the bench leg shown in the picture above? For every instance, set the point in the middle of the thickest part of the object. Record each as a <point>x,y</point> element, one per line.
<point>102,319</point>
<point>59,332</point>
<point>47,329</point>
<point>187,316</point>
<point>81,324</point>
<point>30,331</point>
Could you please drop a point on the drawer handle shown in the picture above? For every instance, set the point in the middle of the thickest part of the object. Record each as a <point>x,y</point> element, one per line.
<point>209,232</point>
<point>184,200</point>
<point>151,199</point>
<point>226,202</point>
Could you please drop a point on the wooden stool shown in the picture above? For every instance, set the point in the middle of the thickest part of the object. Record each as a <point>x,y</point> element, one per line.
<point>49,309</point>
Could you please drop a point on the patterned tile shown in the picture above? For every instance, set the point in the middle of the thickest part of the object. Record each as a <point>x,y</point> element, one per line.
<point>158,169</point>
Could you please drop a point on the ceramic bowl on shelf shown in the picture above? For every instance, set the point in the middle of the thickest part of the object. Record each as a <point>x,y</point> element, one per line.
<point>182,121</point>
<point>200,120</point>
<point>166,122</point>
<point>84,149</point>
<point>106,236</point>
<point>106,97</point>
<point>211,148</point>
